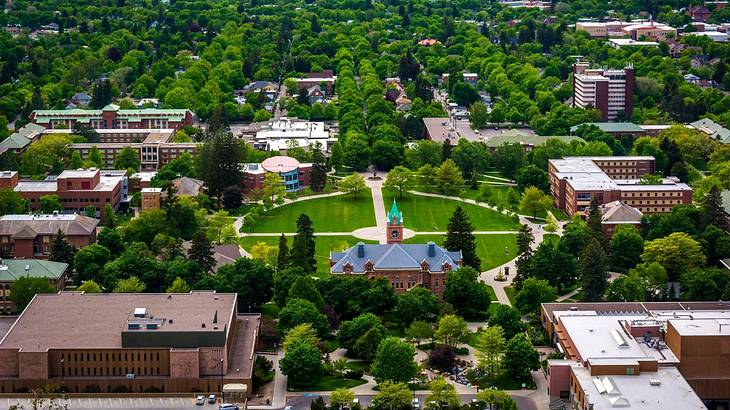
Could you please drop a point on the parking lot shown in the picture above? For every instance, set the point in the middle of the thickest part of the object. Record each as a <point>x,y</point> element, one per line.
<point>121,403</point>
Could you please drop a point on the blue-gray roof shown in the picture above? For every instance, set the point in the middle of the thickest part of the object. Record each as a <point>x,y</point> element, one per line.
<point>612,127</point>
<point>394,256</point>
<point>713,129</point>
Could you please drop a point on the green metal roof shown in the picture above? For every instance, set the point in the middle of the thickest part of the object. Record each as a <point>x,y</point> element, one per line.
<point>395,213</point>
<point>612,127</point>
<point>13,269</point>
<point>515,136</point>
<point>15,141</point>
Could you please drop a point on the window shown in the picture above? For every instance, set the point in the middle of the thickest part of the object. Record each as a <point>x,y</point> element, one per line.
<point>629,371</point>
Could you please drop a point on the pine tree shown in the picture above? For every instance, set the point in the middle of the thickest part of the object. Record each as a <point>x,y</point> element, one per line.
<point>282,260</point>
<point>318,178</point>
<point>594,219</point>
<point>459,237</point>
<point>337,158</point>
<point>302,251</point>
<point>714,213</point>
<point>593,269</point>
<point>201,251</point>
<point>62,251</point>
<point>525,238</point>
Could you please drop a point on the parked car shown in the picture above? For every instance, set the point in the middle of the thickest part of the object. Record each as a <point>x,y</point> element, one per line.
<point>416,404</point>
<point>200,400</point>
<point>211,399</point>
<point>228,406</point>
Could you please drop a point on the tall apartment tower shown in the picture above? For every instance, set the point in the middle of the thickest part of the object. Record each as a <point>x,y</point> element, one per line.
<point>611,91</point>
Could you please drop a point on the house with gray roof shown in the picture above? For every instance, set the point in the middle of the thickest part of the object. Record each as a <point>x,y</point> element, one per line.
<point>616,213</point>
<point>19,140</point>
<point>31,236</point>
<point>714,130</point>
<point>405,266</point>
<point>14,269</point>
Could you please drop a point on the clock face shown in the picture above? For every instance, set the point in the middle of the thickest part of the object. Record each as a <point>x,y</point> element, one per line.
<point>394,233</point>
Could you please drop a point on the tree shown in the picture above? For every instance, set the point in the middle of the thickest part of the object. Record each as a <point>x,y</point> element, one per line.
<point>89,262</point>
<point>318,176</point>
<point>178,286</point>
<point>496,399</point>
<point>520,357</point>
<point>394,361</point>
<point>593,270</point>
<point>714,213</point>
<point>533,292</point>
<point>392,396</point>
<point>449,178</point>
<point>300,332</point>
<point>625,289</point>
<point>508,318</point>
<point>353,330</point>
<point>250,279</point>
<point>466,293</point>
<point>478,115</point>
<point>301,363</point>
<point>201,251</point>
<point>595,218</point>
<point>387,154</point>
<point>399,179</point>
<point>443,394</point>
<point>219,162</point>
<point>110,217</point>
<point>220,228</point>
<point>128,158</point>
<point>300,311</point>
<point>303,247</point>
<point>534,201</point>
<point>304,288</point>
<point>418,331</point>
<point>627,245</point>
<point>232,197</point>
<point>705,284</point>
<point>62,251</point>
<point>337,156</point>
<point>416,304</point>
<point>490,347</point>
<point>532,176</point>
<point>283,280</point>
<point>282,258</point>
<point>460,237</point>
<point>352,184</point>
<point>95,159</point>
<point>450,331</point>
<point>677,253</point>
<point>50,203</point>
<point>366,346</point>
<point>508,158</point>
<point>25,287</point>
<point>342,397</point>
<point>12,202</point>
<point>130,285</point>
<point>273,186</point>
<point>89,287</point>
<point>576,235</point>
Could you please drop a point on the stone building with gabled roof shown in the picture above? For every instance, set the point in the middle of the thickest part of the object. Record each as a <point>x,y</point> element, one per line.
<point>31,236</point>
<point>405,266</point>
<point>618,213</point>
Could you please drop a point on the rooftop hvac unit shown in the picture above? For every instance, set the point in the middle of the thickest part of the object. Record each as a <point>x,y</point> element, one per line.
<point>655,382</point>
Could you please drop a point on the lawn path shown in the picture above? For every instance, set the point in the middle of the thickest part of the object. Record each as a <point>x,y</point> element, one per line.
<point>381,219</point>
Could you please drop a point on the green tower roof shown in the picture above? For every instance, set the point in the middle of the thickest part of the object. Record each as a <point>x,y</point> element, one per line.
<point>395,213</point>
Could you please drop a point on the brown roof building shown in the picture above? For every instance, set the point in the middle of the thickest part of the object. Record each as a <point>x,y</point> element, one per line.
<point>31,236</point>
<point>440,130</point>
<point>617,213</point>
<point>129,343</point>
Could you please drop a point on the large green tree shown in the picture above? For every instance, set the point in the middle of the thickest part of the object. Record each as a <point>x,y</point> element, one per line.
<point>593,270</point>
<point>303,247</point>
<point>466,293</point>
<point>520,357</point>
<point>25,287</point>
<point>460,237</point>
<point>394,361</point>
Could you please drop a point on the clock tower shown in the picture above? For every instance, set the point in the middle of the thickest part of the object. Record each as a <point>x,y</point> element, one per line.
<point>394,231</point>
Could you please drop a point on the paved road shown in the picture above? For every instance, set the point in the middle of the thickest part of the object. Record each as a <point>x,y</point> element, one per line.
<point>303,402</point>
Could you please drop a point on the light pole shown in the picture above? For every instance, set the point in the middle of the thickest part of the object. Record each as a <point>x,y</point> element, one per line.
<point>63,375</point>
<point>222,398</point>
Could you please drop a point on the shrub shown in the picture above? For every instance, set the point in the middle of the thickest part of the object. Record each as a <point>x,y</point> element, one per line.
<point>442,359</point>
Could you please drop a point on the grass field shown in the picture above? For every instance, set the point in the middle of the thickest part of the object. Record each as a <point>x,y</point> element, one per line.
<point>324,244</point>
<point>510,291</point>
<point>341,213</point>
<point>490,248</point>
<point>424,214</point>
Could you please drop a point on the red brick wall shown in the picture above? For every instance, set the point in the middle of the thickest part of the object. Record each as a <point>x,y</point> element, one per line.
<point>9,363</point>
<point>33,365</point>
<point>602,98</point>
<point>184,363</point>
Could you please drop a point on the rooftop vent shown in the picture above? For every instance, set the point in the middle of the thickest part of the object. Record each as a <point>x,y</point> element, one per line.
<point>655,382</point>
<point>619,338</point>
<point>151,326</point>
<point>140,312</point>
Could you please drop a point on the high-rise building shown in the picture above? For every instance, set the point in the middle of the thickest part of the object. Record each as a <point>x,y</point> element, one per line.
<point>611,91</point>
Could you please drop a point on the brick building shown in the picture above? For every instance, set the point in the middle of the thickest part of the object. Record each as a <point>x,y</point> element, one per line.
<point>615,214</point>
<point>31,236</point>
<point>77,189</point>
<point>610,91</point>
<point>294,174</point>
<point>574,181</point>
<point>112,117</point>
<point>325,79</point>
<point>653,355</point>
<point>130,343</point>
<point>151,198</point>
<point>14,269</point>
<point>406,266</point>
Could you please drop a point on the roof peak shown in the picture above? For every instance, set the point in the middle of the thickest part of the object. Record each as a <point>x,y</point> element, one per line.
<point>395,213</point>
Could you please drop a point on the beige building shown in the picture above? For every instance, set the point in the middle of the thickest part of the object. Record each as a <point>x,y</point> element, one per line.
<point>151,198</point>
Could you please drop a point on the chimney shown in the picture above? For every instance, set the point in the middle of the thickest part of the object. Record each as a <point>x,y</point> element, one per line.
<point>360,250</point>
<point>431,249</point>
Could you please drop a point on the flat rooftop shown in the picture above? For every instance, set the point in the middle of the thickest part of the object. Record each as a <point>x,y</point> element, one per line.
<point>69,320</point>
<point>660,390</point>
<point>701,327</point>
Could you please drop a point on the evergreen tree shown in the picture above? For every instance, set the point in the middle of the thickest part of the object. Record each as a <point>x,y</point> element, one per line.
<point>219,163</point>
<point>337,158</point>
<point>593,267</point>
<point>318,178</point>
<point>62,251</point>
<point>302,251</point>
<point>218,120</point>
<point>459,237</point>
<point>201,251</point>
<point>594,219</point>
<point>714,213</point>
<point>282,260</point>
<point>525,238</point>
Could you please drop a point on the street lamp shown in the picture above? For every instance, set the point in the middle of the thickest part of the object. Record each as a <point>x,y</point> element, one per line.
<point>222,398</point>
<point>63,372</point>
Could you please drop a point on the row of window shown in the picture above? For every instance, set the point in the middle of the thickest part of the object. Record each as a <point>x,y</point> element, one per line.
<point>80,357</point>
<point>111,371</point>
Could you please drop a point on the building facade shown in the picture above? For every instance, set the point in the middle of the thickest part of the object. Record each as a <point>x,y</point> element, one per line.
<point>112,117</point>
<point>31,236</point>
<point>14,269</point>
<point>77,189</point>
<point>610,91</point>
<point>284,133</point>
<point>405,266</point>
<point>574,181</point>
<point>294,175</point>
<point>151,198</point>
<point>130,343</point>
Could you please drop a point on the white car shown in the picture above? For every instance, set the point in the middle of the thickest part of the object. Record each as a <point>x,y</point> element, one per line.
<point>200,400</point>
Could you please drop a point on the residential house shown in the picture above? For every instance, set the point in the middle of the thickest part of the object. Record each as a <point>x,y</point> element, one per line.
<point>31,236</point>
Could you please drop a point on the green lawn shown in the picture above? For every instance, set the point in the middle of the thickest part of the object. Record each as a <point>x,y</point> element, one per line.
<point>324,245</point>
<point>341,213</point>
<point>510,291</point>
<point>490,248</point>
<point>329,383</point>
<point>424,214</point>
<point>501,197</point>
<point>492,294</point>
